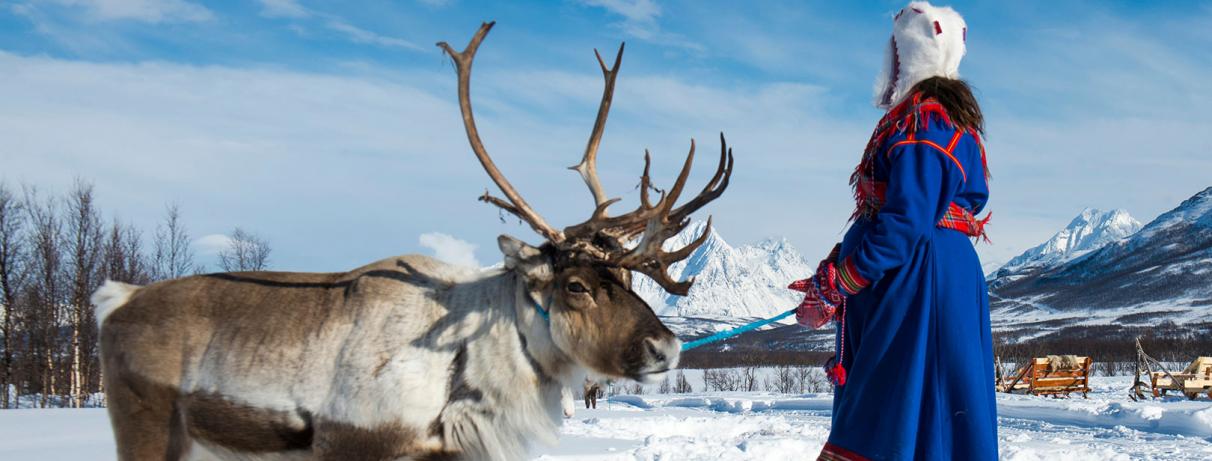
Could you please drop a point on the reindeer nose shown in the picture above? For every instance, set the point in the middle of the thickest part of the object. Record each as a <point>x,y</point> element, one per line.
<point>653,351</point>
<point>662,353</point>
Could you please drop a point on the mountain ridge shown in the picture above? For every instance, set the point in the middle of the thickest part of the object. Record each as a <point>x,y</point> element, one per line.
<point>1088,231</point>
<point>747,281</point>
<point>1163,272</point>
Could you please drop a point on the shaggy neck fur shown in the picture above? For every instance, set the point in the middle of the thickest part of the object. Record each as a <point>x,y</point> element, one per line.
<point>506,380</point>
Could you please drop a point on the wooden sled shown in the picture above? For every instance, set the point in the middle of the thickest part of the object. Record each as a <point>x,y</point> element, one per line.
<point>1053,375</point>
<point>1193,381</point>
<point>1196,379</point>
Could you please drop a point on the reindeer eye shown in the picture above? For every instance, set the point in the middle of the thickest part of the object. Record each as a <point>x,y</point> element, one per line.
<point>577,287</point>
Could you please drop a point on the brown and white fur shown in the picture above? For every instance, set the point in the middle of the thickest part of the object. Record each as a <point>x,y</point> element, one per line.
<point>406,358</point>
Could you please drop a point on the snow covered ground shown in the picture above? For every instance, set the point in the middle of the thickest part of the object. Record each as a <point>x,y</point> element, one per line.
<point>742,426</point>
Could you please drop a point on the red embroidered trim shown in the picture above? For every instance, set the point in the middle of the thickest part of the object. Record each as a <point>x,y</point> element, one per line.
<point>946,152</point>
<point>956,218</point>
<point>960,219</point>
<point>954,140</point>
<point>906,117</point>
<point>833,452</point>
<point>849,279</point>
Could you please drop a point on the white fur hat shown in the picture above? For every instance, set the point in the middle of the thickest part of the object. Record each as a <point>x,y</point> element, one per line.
<point>927,41</point>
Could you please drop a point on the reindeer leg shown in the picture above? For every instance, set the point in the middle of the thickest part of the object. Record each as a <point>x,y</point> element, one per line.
<point>146,421</point>
<point>336,441</point>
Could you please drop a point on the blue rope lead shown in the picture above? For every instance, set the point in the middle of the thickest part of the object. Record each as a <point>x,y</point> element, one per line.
<point>698,342</point>
<point>735,331</point>
<point>541,310</point>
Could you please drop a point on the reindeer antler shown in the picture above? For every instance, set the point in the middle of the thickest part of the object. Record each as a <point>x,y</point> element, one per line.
<point>516,205</point>
<point>655,222</point>
<point>588,168</point>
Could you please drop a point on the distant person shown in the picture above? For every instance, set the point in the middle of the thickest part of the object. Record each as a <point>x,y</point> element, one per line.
<point>593,390</point>
<point>914,364</point>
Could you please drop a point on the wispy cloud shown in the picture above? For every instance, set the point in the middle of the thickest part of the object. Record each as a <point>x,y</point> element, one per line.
<point>360,35</point>
<point>292,9</point>
<point>639,16</point>
<point>640,20</point>
<point>65,32</point>
<point>377,153</point>
<point>153,11</point>
<point>283,9</point>
<point>211,244</point>
<point>450,249</point>
<point>381,144</point>
<point>436,3</point>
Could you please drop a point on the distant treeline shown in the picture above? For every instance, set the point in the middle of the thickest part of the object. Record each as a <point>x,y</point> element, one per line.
<point>55,250</point>
<point>1112,347</point>
<point>1167,342</point>
<point>709,358</point>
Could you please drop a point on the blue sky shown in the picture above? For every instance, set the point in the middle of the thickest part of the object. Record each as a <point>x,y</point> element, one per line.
<point>331,128</point>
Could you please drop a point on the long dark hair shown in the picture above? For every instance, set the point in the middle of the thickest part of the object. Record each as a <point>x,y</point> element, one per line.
<point>956,97</point>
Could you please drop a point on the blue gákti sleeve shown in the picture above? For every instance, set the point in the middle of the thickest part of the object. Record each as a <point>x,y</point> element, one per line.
<point>921,184</point>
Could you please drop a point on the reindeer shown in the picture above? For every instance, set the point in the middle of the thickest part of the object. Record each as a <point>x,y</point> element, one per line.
<point>590,390</point>
<point>405,358</point>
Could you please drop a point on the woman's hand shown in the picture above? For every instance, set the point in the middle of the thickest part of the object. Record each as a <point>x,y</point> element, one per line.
<point>821,295</point>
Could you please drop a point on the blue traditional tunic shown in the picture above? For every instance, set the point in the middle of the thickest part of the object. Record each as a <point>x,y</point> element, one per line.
<point>915,338</point>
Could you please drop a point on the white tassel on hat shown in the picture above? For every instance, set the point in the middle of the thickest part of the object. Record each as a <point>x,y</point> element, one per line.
<point>927,41</point>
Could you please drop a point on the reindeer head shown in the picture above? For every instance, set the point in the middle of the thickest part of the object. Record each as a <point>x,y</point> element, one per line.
<point>582,274</point>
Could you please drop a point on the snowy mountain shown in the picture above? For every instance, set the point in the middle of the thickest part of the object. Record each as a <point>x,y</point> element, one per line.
<point>1089,231</point>
<point>731,283</point>
<point>1101,271</point>
<point>1162,272</point>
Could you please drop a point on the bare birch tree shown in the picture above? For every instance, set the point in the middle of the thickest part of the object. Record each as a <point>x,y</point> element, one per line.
<point>782,381</point>
<point>83,251</point>
<point>12,278</point>
<point>664,388</point>
<point>680,384</point>
<point>245,252</point>
<point>172,256</point>
<point>123,257</point>
<point>46,293</point>
<point>54,253</point>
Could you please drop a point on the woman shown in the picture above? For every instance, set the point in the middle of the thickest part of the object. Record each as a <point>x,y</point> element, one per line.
<point>915,363</point>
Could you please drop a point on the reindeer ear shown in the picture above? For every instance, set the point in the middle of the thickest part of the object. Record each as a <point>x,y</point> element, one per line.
<point>515,250</point>
<point>526,259</point>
